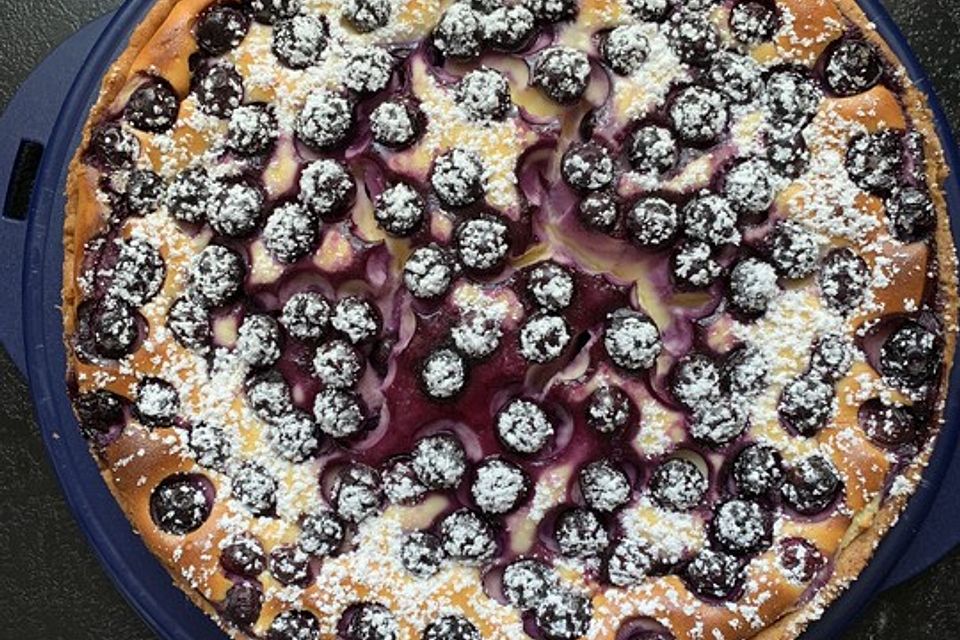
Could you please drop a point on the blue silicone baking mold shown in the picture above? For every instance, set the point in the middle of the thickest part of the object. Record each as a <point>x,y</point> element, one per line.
<point>38,133</point>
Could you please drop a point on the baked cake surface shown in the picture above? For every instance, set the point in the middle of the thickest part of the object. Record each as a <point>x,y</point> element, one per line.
<point>606,319</point>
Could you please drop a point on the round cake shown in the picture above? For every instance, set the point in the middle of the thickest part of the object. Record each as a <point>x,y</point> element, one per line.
<point>559,319</point>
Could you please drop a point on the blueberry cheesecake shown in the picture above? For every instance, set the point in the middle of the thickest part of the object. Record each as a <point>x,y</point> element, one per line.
<point>497,319</point>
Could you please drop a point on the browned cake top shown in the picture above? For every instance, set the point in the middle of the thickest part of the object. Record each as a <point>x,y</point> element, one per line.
<point>605,319</point>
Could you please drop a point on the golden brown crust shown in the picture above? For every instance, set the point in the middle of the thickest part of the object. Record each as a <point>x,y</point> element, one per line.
<point>146,461</point>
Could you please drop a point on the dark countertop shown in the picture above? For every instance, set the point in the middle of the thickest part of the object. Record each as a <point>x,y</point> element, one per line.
<point>52,588</point>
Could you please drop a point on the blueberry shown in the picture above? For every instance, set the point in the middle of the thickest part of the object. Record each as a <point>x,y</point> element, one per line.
<point>649,10</point>
<point>367,15</point>
<point>306,315</point>
<point>608,409</point>
<point>325,121</point>
<point>458,33</point>
<point>580,534</point>
<point>713,574</point>
<point>216,275</point>
<point>357,318</point>
<point>852,67</point>
<point>652,222</point>
<point>525,582</point>
<point>299,42</point>
<point>741,527</point>
<point>221,28</point>
<point>357,493</point>
<point>911,355</point>
<point>699,115</point>
<point>719,423</point>
<point>339,413</point>
<point>484,94</point>
<point>294,624</point>
<point>631,339</point>
<point>738,77</point>
<point>800,559</point>
<point>210,446</point>
<point>587,166</point>
<point>678,485</point>
<point>259,342</point>
<point>695,381</point>
<point>744,372</point>
<point>844,277</point>
<point>753,286</point>
<point>628,564</point>
<point>397,123</point>
<point>243,603</point>
<point>874,161</point>
<point>421,554</point>
<point>812,485</point>
<point>158,403</point>
<point>252,130</point>
<point>477,335</point>
<point>255,488</point>
<point>599,211</point>
<point>524,427</point>
<point>444,374</point>
<point>322,533</point>
<point>98,412</point>
<point>270,11</point>
<point>429,272</point>
<point>451,628</point>
<point>889,425</point>
<point>290,233</point>
<point>368,70</point>
<point>327,188</point>
<point>911,214</point>
<point>115,328</point>
<point>604,486</point>
<point>243,556</point>
<point>338,365</point>
<point>753,22</point>
<point>135,193</point>
<point>372,621</point>
<point>483,243</point>
<point>792,97</point>
<point>113,147</point>
<point>794,250</point>
<point>508,28</point>
<point>693,265</point>
<point>153,106</point>
<point>757,470</point>
<point>179,504</point>
<point>625,49</point>
<point>561,73</point>
<point>547,11</point>
<point>139,272</point>
<point>543,338</point>
<point>806,404</point>
<point>693,37</point>
<point>787,152</point>
<point>399,210</point>
<point>235,209</point>
<point>467,538</point>
<point>832,356</point>
<point>269,396</point>
<point>290,565</point>
<point>749,186</point>
<point>439,461</point>
<point>457,177</point>
<point>294,436</point>
<point>652,149</point>
<point>710,218</point>
<point>219,89</point>
<point>190,194</point>
<point>550,286</point>
<point>400,482</point>
<point>499,486</point>
<point>563,614</point>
